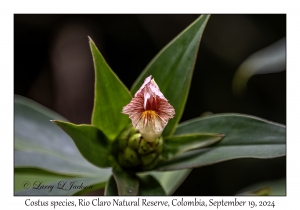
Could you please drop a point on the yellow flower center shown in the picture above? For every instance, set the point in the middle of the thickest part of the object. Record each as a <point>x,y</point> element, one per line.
<point>149,114</point>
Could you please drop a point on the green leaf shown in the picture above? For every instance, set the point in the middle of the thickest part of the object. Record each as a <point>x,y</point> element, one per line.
<point>56,164</point>
<point>127,183</point>
<point>110,97</point>
<point>41,144</point>
<point>171,180</point>
<point>43,152</point>
<point>149,186</point>
<point>111,188</point>
<point>172,69</point>
<point>245,137</point>
<point>176,145</point>
<point>91,142</point>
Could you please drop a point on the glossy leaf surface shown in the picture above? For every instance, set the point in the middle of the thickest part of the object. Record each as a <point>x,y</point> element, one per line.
<point>245,137</point>
<point>179,144</point>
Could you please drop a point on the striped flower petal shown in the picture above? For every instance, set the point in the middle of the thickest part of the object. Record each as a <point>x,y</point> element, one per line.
<point>149,110</point>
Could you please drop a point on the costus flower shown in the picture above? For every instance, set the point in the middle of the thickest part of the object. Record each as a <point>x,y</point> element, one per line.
<point>149,110</point>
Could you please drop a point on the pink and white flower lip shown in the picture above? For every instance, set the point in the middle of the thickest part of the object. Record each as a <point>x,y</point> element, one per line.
<point>149,110</point>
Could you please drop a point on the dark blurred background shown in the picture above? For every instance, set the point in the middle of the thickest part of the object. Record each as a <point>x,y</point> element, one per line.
<point>53,66</point>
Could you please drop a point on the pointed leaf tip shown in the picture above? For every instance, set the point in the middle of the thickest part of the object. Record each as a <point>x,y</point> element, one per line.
<point>90,141</point>
<point>91,41</point>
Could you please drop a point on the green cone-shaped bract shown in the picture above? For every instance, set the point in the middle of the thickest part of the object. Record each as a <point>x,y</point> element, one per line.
<point>136,153</point>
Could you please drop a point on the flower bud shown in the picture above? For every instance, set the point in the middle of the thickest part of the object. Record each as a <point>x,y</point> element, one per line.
<point>131,156</point>
<point>134,152</point>
<point>144,147</point>
<point>134,140</point>
<point>147,159</point>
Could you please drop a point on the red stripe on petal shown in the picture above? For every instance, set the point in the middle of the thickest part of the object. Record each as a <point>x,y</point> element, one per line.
<point>149,110</point>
